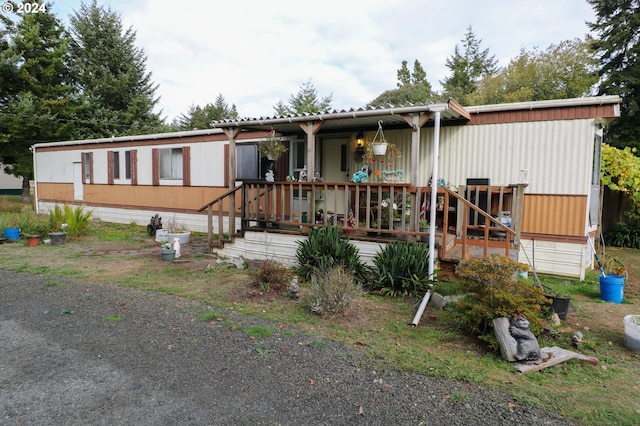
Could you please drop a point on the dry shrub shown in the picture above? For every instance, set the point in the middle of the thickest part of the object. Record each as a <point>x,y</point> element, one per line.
<point>331,291</point>
<point>270,275</point>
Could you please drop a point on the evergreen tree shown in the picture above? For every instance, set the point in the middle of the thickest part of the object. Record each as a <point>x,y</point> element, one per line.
<point>37,100</point>
<point>305,101</point>
<point>201,117</point>
<point>412,87</point>
<point>467,67</point>
<point>110,72</point>
<point>618,46</point>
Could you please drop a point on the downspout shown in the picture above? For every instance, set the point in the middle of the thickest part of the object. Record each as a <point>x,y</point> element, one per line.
<point>35,179</point>
<point>432,216</point>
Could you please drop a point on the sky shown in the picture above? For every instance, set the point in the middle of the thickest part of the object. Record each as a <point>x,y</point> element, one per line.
<point>258,52</point>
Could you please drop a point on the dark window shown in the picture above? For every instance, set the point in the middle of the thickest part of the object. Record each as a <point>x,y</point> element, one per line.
<point>87,165</point>
<point>127,164</point>
<point>116,165</point>
<point>247,161</point>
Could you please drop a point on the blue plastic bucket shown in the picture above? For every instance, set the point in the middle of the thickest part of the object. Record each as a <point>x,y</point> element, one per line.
<point>12,233</point>
<point>612,288</point>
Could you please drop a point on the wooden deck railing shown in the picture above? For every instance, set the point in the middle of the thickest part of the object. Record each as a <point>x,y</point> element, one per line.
<point>381,211</point>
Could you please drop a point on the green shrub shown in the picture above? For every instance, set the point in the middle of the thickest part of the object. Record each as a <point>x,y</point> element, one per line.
<point>494,291</point>
<point>623,235</point>
<point>331,291</point>
<point>270,275</point>
<point>325,249</point>
<point>401,269</point>
<point>77,219</point>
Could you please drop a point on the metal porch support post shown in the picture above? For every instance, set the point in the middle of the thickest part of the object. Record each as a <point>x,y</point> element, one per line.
<point>434,195</point>
<point>232,133</point>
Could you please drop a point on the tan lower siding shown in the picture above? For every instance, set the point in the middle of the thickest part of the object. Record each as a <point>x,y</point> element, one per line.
<point>554,214</point>
<point>129,196</point>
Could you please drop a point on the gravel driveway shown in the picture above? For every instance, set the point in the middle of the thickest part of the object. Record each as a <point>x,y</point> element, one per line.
<point>96,354</point>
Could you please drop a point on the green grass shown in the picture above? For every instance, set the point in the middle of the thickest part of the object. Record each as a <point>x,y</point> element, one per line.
<point>259,332</point>
<point>114,318</point>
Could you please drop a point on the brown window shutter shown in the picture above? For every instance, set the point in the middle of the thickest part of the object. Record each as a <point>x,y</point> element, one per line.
<point>226,165</point>
<point>134,167</point>
<point>186,166</point>
<point>91,167</point>
<point>110,167</point>
<point>155,166</point>
<point>83,168</point>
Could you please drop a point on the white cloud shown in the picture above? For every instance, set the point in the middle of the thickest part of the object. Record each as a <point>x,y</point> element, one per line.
<point>256,52</point>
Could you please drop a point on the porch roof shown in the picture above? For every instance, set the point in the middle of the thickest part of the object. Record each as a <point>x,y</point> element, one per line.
<point>355,118</point>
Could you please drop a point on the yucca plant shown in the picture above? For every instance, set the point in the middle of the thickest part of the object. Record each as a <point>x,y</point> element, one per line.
<point>325,248</point>
<point>402,269</point>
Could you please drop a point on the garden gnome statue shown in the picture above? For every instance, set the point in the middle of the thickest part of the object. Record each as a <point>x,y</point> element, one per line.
<point>294,288</point>
<point>176,246</point>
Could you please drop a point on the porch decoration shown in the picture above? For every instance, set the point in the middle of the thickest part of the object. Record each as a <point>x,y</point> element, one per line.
<point>272,148</point>
<point>379,144</point>
<point>382,161</point>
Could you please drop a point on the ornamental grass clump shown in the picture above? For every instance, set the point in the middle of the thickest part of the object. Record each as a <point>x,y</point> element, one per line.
<point>494,290</point>
<point>331,291</point>
<point>76,220</point>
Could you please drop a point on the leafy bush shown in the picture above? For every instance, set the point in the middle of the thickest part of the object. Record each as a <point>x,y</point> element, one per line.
<point>332,291</point>
<point>325,249</point>
<point>270,275</point>
<point>623,235</point>
<point>77,219</point>
<point>401,269</point>
<point>494,291</point>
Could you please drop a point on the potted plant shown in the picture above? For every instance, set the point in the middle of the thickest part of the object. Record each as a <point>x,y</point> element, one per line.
<point>423,226</point>
<point>173,229</point>
<point>272,148</point>
<point>612,280</point>
<point>168,253</point>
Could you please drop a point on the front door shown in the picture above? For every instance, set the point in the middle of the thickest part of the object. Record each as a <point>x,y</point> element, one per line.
<point>335,168</point>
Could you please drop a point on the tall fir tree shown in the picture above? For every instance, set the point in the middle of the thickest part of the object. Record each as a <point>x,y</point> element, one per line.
<point>305,101</point>
<point>468,65</point>
<point>198,117</point>
<point>36,98</point>
<point>618,45</point>
<point>412,87</point>
<point>110,73</point>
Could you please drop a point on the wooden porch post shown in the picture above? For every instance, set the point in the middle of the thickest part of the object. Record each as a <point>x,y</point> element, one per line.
<point>311,129</point>
<point>232,133</point>
<point>519,187</point>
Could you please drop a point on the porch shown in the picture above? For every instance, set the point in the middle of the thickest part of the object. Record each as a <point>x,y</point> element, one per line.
<point>471,221</point>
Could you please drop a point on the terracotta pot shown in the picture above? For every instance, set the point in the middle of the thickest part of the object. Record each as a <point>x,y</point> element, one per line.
<point>33,240</point>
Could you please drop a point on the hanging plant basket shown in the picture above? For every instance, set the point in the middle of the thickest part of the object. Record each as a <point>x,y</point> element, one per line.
<point>380,148</point>
<point>379,143</point>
